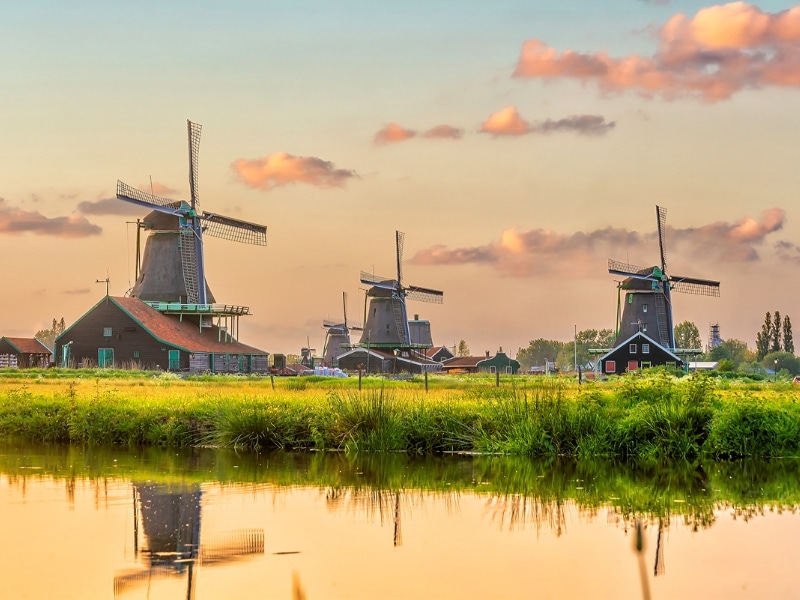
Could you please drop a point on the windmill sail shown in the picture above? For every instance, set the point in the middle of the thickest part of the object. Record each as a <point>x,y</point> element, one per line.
<point>173,268</point>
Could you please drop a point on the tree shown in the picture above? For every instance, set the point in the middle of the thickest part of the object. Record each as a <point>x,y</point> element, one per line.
<point>775,338</point>
<point>537,352</point>
<point>733,350</point>
<point>764,338</point>
<point>788,342</point>
<point>463,349</point>
<point>777,361</point>
<point>48,336</point>
<point>590,339</point>
<point>687,335</point>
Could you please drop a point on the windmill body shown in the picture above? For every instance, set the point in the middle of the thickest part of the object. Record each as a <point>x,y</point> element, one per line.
<point>173,265</point>
<point>386,318</point>
<point>645,326</point>
<point>337,336</point>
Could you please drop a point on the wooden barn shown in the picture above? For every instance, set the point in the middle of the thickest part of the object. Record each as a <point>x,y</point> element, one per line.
<point>439,353</point>
<point>127,332</point>
<point>371,360</point>
<point>23,353</point>
<point>637,352</point>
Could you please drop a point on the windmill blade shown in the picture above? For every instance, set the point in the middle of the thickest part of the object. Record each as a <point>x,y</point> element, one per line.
<point>189,264</point>
<point>661,216</point>
<point>235,230</point>
<point>690,285</point>
<point>619,268</point>
<point>383,282</point>
<point>194,152</point>
<point>327,323</point>
<point>149,201</point>
<point>424,294</point>
<point>399,239</point>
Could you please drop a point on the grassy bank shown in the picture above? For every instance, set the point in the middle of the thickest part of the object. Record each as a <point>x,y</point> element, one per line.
<point>649,416</point>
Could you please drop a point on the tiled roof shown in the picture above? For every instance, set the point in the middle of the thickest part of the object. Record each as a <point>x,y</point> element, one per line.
<point>462,362</point>
<point>27,345</point>
<point>183,334</point>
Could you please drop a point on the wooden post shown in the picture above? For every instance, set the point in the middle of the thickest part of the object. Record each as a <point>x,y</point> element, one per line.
<point>272,380</point>
<point>426,382</point>
<point>497,379</point>
<point>359,380</point>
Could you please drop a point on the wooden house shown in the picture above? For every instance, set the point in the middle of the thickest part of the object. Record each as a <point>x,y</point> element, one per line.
<point>439,353</point>
<point>638,351</point>
<point>461,364</point>
<point>23,353</point>
<point>128,332</point>
<point>499,363</point>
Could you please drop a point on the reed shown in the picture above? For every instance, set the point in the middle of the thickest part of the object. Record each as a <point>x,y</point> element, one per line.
<point>653,416</point>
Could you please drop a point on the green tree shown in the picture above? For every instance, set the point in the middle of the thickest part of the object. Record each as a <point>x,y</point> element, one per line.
<point>726,364</point>
<point>764,338</point>
<point>687,335</point>
<point>777,361</point>
<point>775,339</point>
<point>590,339</point>
<point>48,336</point>
<point>463,349</point>
<point>788,341</point>
<point>734,350</point>
<point>537,352</point>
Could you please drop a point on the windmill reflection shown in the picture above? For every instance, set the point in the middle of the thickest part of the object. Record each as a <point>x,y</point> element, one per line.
<point>169,516</point>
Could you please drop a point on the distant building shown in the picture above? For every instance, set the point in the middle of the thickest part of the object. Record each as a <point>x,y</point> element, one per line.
<point>373,360</point>
<point>462,364</point>
<point>23,353</point>
<point>499,363</point>
<point>127,332</point>
<point>439,353</point>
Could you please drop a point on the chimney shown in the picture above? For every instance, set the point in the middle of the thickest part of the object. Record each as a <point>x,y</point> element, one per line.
<point>487,354</point>
<point>416,317</point>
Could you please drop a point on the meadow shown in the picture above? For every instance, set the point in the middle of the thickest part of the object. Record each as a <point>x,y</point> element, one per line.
<point>651,415</point>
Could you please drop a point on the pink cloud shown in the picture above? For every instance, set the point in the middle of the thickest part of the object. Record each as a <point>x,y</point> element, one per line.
<point>392,133</point>
<point>721,50</point>
<point>523,253</point>
<point>280,169</point>
<point>16,221</point>
<point>508,122</point>
<point>109,206</point>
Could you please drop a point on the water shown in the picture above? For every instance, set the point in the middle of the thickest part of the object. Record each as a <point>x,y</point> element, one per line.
<point>114,523</point>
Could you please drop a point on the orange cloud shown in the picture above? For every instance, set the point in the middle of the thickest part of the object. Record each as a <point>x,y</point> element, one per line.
<point>15,221</point>
<point>509,122</point>
<point>521,253</point>
<point>392,133</point>
<point>279,169</point>
<point>720,51</point>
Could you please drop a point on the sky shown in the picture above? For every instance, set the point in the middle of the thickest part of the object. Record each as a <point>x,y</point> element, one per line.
<point>518,145</point>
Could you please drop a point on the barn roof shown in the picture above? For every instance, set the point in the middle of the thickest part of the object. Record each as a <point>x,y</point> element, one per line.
<point>26,345</point>
<point>462,362</point>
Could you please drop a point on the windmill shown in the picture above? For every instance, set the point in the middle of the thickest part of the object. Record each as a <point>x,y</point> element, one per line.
<point>648,294</point>
<point>337,335</point>
<point>386,321</point>
<point>173,266</point>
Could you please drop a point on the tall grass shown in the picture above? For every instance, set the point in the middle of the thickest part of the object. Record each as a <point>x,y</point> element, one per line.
<point>654,416</point>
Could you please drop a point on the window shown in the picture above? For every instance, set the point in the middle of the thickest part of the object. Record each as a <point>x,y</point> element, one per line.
<point>135,354</point>
<point>645,364</point>
<point>611,366</point>
<point>632,349</point>
<point>644,326</point>
<point>509,370</point>
<point>644,307</point>
<point>492,369</point>
<point>105,357</point>
<point>645,348</point>
<point>107,332</point>
<point>630,298</point>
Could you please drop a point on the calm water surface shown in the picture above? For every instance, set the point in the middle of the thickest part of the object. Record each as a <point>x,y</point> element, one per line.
<point>110,523</point>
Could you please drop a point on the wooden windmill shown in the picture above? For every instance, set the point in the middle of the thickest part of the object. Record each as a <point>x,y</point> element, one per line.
<point>173,266</point>
<point>337,336</point>
<point>386,318</point>
<point>647,304</point>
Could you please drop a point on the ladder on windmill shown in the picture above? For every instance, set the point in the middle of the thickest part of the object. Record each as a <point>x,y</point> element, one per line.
<point>661,320</point>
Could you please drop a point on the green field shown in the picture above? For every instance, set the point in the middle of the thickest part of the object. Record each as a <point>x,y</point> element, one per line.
<point>652,416</point>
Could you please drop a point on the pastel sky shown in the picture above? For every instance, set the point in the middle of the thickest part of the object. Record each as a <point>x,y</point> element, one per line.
<point>518,144</point>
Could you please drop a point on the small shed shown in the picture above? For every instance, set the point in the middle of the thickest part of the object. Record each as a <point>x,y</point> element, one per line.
<point>23,353</point>
<point>439,353</point>
<point>499,363</point>
<point>639,351</point>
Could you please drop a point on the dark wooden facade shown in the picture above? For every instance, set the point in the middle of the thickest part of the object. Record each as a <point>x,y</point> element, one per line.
<point>24,353</point>
<point>126,332</point>
<point>378,361</point>
<point>499,363</point>
<point>637,352</point>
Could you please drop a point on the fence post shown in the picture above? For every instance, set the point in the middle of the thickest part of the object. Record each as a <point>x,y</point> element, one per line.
<point>497,379</point>
<point>359,380</point>
<point>426,382</point>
